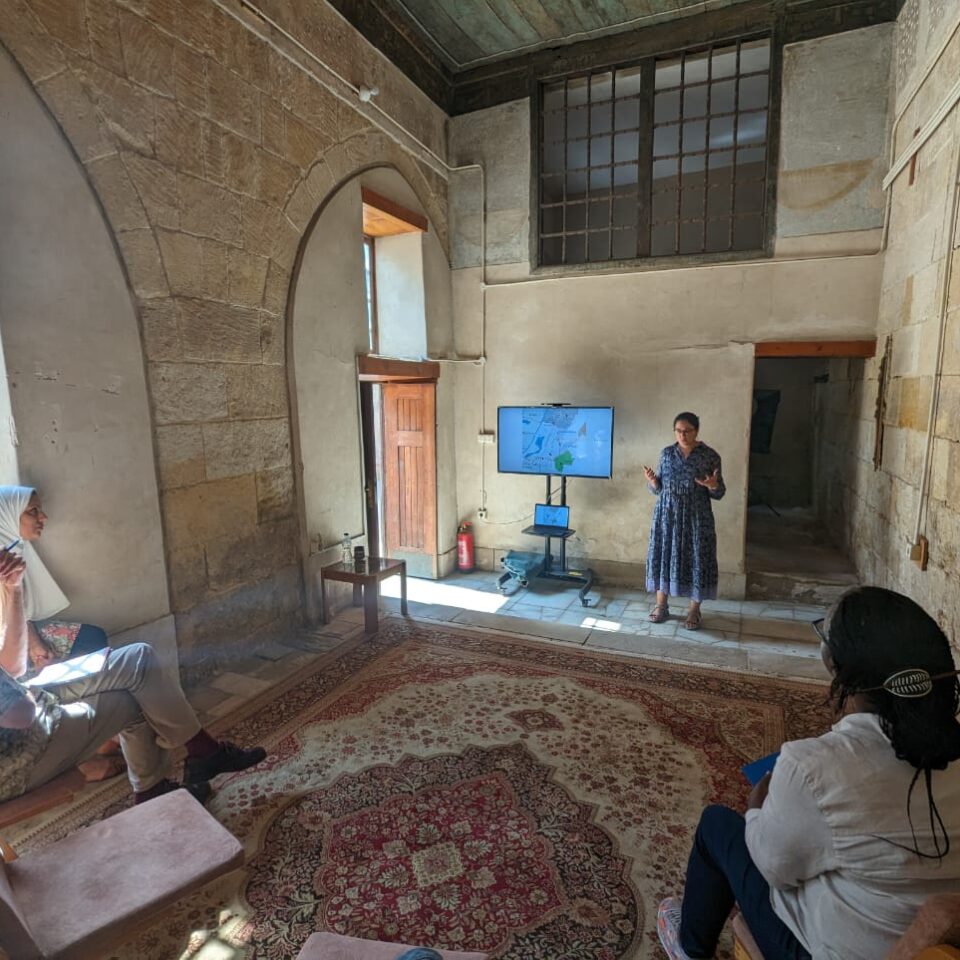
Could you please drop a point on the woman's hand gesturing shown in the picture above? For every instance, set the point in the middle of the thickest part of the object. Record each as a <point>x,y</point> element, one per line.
<point>11,569</point>
<point>652,478</point>
<point>711,481</point>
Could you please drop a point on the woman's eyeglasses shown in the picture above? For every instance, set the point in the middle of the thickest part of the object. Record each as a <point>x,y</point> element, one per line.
<point>818,629</point>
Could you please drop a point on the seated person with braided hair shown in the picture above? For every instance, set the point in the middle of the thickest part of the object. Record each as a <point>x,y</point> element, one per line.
<point>60,717</point>
<point>853,830</point>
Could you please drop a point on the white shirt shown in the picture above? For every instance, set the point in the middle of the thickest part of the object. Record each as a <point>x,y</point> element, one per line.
<point>820,840</point>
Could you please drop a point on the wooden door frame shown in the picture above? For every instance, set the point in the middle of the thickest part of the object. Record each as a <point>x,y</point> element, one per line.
<point>425,521</point>
<point>384,370</point>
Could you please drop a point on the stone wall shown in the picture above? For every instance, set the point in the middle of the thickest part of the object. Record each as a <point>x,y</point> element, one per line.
<point>210,152</point>
<point>874,512</point>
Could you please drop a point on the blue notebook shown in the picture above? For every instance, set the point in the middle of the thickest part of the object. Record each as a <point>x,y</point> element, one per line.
<point>755,771</point>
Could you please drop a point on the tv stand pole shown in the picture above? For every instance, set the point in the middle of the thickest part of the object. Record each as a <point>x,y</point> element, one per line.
<point>562,572</point>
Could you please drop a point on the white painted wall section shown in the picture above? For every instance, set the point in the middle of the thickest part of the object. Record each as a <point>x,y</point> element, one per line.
<point>75,370</point>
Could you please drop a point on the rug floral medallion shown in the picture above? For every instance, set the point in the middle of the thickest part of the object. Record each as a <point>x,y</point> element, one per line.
<point>458,789</point>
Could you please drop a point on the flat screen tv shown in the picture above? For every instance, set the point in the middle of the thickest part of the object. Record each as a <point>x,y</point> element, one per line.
<point>555,441</point>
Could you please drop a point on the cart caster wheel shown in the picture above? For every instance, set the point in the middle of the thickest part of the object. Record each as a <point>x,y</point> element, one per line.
<point>524,583</point>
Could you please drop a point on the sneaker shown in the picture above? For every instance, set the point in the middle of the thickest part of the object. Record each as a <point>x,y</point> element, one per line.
<point>229,758</point>
<point>668,928</point>
<point>200,791</point>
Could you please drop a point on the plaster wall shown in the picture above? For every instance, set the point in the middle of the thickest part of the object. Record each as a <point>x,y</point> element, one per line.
<point>874,512</point>
<point>8,428</point>
<point>652,340</point>
<point>77,389</point>
<point>400,297</point>
<point>829,184</point>
<point>329,330</point>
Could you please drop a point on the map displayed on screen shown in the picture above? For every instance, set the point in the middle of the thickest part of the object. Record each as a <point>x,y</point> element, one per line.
<point>563,441</point>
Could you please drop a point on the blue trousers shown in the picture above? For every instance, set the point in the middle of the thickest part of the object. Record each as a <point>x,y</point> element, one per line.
<point>721,873</point>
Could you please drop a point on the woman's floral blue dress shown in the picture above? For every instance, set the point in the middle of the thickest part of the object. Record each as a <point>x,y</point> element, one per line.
<point>682,557</point>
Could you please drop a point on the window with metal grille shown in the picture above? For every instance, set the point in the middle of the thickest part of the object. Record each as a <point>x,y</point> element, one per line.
<point>661,158</point>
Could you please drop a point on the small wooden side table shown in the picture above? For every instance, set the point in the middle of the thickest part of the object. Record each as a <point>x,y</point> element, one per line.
<point>365,577</point>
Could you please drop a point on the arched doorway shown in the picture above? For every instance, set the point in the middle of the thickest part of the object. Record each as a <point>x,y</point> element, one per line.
<point>328,329</point>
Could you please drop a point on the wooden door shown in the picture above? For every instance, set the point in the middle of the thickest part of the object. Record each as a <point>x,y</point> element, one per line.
<point>410,475</point>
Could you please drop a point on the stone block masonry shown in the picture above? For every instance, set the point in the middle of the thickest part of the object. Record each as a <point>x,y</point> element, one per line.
<point>210,154</point>
<point>873,513</point>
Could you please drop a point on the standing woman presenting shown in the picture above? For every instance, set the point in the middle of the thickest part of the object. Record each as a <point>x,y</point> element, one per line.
<point>682,557</point>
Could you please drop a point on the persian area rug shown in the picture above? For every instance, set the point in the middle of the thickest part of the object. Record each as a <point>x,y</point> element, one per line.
<point>458,789</point>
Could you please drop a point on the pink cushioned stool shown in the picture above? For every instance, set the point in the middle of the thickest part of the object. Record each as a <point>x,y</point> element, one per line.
<point>332,946</point>
<point>78,897</point>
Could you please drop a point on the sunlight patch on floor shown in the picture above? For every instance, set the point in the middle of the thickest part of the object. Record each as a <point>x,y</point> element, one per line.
<point>595,623</point>
<point>444,594</point>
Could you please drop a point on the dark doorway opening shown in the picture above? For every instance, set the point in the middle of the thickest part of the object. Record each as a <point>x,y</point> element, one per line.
<point>790,555</point>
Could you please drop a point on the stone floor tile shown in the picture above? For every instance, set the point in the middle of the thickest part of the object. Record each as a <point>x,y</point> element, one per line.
<point>777,612</point>
<point>534,628</point>
<point>272,651</point>
<point>226,707</point>
<point>558,600</point>
<point>725,621</point>
<point>808,613</point>
<point>799,630</point>
<point>273,671</point>
<point>205,698</point>
<point>782,647</point>
<point>786,666</point>
<point>723,606</point>
<point>313,643</point>
<point>611,607</point>
<point>242,684</point>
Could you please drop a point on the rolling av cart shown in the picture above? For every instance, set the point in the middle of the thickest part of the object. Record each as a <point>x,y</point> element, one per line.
<point>522,567</point>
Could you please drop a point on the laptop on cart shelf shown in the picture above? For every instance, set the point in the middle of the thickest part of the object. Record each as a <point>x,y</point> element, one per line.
<point>550,520</point>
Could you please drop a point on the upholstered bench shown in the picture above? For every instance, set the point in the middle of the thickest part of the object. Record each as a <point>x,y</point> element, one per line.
<point>332,946</point>
<point>75,898</point>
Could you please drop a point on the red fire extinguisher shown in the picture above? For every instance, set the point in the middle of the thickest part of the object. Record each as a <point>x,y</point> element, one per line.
<point>465,548</point>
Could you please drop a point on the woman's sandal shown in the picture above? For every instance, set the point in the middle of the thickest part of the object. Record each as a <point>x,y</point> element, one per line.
<point>694,620</point>
<point>659,613</point>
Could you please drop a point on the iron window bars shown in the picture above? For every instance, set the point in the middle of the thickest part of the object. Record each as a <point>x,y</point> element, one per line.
<point>665,157</point>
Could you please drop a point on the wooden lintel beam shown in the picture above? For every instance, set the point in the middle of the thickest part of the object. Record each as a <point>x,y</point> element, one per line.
<point>387,217</point>
<point>385,370</point>
<point>816,348</point>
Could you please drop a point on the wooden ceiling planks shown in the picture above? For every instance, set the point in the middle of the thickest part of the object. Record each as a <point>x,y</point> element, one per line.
<point>472,54</point>
<point>502,28</point>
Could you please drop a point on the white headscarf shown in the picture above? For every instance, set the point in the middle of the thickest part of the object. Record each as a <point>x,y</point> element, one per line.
<point>42,598</point>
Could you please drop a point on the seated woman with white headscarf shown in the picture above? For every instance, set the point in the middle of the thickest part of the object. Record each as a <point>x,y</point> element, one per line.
<point>58,718</point>
<point>48,640</point>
